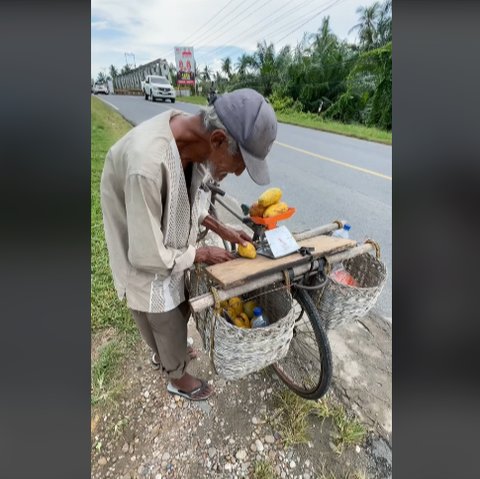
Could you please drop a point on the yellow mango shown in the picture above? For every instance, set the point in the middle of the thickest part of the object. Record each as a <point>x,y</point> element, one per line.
<point>256,210</point>
<point>275,210</point>
<point>239,322</point>
<point>248,251</point>
<point>232,313</point>
<point>236,304</point>
<point>269,197</point>
<point>248,308</point>
<point>246,319</point>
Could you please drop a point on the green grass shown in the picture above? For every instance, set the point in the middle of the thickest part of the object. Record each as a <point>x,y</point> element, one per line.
<point>196,100</point>
<point>104,387</point>
<point>107,311</point>
<point>291,420</point>
<point>348,431</point>
<point>311,120</point>
<point>263,470</point>
<point>348,475</point>
<point>107,127</point>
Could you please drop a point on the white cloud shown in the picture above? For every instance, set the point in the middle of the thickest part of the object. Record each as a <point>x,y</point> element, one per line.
<point>151,28</point>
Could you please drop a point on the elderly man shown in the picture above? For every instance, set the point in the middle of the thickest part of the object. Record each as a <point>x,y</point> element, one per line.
<point>151,204</point>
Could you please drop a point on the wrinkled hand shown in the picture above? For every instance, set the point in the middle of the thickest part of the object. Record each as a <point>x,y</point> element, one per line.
<point>212,255</point>
<point>235,236</point>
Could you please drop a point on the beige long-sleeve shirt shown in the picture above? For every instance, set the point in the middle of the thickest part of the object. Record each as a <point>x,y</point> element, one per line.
<point>150,224</point>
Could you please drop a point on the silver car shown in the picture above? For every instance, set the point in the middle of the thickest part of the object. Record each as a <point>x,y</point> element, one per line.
<point>100,87</point>
<point>158,87</point>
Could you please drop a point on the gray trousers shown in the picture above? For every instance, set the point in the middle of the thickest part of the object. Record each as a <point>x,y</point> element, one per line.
<point>166,335</point>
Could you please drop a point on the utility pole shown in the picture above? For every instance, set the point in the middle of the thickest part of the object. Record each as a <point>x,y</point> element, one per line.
<point>127,62</point>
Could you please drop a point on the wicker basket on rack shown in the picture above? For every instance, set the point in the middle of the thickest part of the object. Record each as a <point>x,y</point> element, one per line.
<point>237,352</point>
<point>338,303</point>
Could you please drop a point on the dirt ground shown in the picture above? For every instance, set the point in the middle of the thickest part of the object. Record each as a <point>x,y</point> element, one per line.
<point>153,435</point>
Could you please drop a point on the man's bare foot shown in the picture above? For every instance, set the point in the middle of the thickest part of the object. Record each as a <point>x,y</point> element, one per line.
<point>191,387</point>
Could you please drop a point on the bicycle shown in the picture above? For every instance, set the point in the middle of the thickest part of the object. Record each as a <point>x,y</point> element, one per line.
<point>307,367</point>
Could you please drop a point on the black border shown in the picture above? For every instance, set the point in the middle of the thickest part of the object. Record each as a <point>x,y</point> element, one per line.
<point>45,241</point>
<point>435,199</point>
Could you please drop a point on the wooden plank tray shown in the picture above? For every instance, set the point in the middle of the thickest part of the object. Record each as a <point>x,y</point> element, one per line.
<point>241,270</point>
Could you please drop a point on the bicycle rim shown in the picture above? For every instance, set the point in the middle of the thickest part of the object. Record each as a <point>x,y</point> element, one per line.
<point>307,367</point>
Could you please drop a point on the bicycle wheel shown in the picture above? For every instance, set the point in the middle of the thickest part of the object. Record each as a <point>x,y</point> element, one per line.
<point>307,367</point>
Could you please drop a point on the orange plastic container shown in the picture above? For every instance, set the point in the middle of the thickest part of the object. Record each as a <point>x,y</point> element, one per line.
<point>271,223</point>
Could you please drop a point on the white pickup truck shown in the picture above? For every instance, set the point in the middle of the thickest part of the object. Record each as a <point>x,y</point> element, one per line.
<point>156,86</point>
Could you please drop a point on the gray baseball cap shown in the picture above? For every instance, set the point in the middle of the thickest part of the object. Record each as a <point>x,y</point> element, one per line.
<point>251,121</point>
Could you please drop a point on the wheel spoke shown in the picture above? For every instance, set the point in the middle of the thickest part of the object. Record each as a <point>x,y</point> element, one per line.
<point>307,366</point>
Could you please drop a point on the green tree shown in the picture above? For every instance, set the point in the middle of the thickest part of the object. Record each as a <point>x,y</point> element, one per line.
<point>206,73</point>
<point>126,69</point>
<point>368,98</point>
<point>227,67</point>
<point>367,25</point>
<point>102,78</point>
<point>264,65</point>
<point>113,71</point>
<point>242,65</point>
<point>384,24</point>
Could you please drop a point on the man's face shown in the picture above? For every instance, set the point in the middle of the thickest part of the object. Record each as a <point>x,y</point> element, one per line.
<point>221,162</point>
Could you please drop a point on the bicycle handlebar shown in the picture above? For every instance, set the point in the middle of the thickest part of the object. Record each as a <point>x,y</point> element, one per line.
<point>213,187</point>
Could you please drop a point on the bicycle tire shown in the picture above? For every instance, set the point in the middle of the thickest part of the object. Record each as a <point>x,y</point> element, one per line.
<point>322,383</point>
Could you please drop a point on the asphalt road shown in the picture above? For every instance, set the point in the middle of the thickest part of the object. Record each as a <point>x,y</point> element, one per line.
<point>324,175</point>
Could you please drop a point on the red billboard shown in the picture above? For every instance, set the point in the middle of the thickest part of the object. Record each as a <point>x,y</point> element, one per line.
<point>185,62</point>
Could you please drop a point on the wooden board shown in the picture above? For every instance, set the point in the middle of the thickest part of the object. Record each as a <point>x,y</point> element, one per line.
<point>240,270</point>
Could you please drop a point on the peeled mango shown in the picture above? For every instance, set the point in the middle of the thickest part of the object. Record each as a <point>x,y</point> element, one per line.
<point>248,251</point>
<point>270,197</point>
<point>275,210</point>
<point>256,210</point>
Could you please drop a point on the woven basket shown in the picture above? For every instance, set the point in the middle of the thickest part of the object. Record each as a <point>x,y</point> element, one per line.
<point>338,303</point>
<point>237,352</point>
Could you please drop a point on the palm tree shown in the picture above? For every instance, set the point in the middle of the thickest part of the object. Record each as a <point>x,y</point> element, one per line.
<point>206,73</point>
<point>264,63</point>
<point>113,71</point>
<point>102,78</point>
<point>384,25</point>
<point>126,69</point>
<point>367,26</point>
<point>243,63</point>
<point>227,67</point>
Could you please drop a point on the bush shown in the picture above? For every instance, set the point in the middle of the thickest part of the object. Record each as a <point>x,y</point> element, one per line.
<point>284,103</point>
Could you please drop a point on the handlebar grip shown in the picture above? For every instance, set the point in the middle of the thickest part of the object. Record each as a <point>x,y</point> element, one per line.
<point>215,188</point>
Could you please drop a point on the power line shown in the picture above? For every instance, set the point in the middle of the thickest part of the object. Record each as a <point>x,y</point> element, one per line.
<point>205,24</point>
<point>270,20</point>
<point>211,35</point>
<point>308,21</point>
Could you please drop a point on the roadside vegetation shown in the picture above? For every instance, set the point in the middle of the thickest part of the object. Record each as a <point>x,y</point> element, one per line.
<point>317,122</point>
<point>323,82</point>
<point>293,415</point>
<point>111,326</point>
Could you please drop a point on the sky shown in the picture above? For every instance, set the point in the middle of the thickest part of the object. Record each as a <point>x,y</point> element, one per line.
<point>149,29</point>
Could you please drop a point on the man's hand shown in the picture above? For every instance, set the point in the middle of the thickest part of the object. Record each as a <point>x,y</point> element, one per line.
<point>212,255</point>
<point>226,233</point>
<point>235,236</point>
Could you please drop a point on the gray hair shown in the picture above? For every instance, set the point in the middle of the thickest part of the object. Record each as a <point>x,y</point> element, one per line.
<point>212,122</point>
